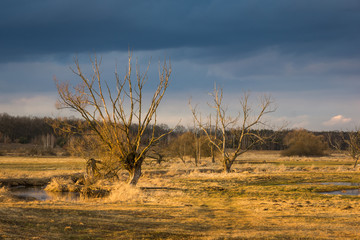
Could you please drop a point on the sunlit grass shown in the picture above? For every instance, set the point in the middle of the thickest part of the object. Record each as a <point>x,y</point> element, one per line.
<point>265,197</point>
<point>32,167</point>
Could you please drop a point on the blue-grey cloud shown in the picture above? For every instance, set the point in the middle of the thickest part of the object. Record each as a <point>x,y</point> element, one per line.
<point>229,29</point>
<point>305,53</point>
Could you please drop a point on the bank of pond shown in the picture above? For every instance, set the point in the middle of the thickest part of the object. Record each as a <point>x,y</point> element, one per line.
<point>39,193</point>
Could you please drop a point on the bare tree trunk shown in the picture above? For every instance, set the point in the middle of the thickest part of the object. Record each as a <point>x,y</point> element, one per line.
<point>356,161</point>
<point>135,176</point>
<point>196,158</point>
<point>182,157</point>
<point>199,150</point>
<point>135,173</point>
<point>212,154</point>
<point>227,166</point>
<point>196,154</point>
<point>91,169</point>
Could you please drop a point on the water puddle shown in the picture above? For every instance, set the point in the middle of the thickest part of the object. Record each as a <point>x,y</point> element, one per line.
<point>340,183</point>
<point>351,192</point>
<point>38,193</point>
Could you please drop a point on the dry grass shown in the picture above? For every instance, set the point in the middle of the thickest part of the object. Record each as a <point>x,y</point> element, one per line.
<point>33,167</point>
<point>4,194</point>
<point>266,197</point>
<point>59,184</point>
<point>124,193</point>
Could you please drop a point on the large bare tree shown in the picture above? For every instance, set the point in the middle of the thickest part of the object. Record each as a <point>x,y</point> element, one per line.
<point>243,126</point>
<point>118,113</point>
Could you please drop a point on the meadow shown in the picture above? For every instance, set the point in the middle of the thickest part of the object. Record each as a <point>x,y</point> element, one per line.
<point>267,196</point>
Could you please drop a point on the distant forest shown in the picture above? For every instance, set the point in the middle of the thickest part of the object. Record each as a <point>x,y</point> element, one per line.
<point>38,131</point>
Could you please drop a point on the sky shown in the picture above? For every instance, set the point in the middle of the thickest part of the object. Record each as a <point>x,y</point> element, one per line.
<point>304,53</point>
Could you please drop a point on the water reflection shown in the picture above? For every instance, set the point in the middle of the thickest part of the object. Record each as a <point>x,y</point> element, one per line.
<point>38,193</point>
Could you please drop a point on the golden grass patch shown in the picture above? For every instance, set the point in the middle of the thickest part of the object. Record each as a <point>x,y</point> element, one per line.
<point>266,197</point>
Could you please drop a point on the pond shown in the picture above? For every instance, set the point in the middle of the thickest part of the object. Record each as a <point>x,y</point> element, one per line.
<point>38,193</point>
<point>352,192</point>
<point>341,183</point>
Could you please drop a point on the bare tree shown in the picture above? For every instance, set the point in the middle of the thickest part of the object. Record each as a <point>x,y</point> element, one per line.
<point>352,144</point>
<point>197,154</point>
<point>246,135</point>
<point>118,115</point>
<point>213,136</point>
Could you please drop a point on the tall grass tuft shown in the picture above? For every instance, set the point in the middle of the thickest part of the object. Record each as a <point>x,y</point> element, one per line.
<point>122,192</point>
<point>95,189</point>
<point>4,194</point>
<point>58,184</point>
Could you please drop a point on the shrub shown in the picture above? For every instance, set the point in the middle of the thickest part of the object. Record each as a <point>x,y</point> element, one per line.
<point>39,151</point>
<point>48,152</point>
<point>186,145</point>
<point>24,140</point>
<point>304,143</point>
<point>33,151</point>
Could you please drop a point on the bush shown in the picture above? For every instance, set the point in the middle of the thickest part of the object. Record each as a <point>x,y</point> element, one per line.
<point>24,140</point>
<point>39,151</point>
<point>34,151</point>
<point>304,143</point>
<point>48,152</point>
<point>185,145</point>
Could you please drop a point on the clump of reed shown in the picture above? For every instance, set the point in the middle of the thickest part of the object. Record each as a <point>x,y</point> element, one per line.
<point>4,194</point>
<point>122,192</point>
<point>88,188</point>
<point>95,188</point>
<point>59,184</point>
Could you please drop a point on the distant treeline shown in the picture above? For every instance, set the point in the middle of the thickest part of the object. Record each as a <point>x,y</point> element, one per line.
<point>16,129</point>
<point>23,129</point>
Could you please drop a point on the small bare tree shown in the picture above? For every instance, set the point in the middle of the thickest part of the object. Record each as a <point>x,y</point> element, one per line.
<point>118,114</point>
<point>246,135</point>
<point>352,144</point>
<point>213,136</point>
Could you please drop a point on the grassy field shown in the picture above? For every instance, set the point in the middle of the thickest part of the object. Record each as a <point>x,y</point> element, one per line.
<point>266,197</point>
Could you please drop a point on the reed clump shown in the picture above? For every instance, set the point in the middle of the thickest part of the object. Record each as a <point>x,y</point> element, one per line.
<point>59,184</point>
<point>4,194</point>
<point>95,188</point>
<point>122,192</point>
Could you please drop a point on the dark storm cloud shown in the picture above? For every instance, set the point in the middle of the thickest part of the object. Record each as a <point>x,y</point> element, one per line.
<point>228,28</point>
